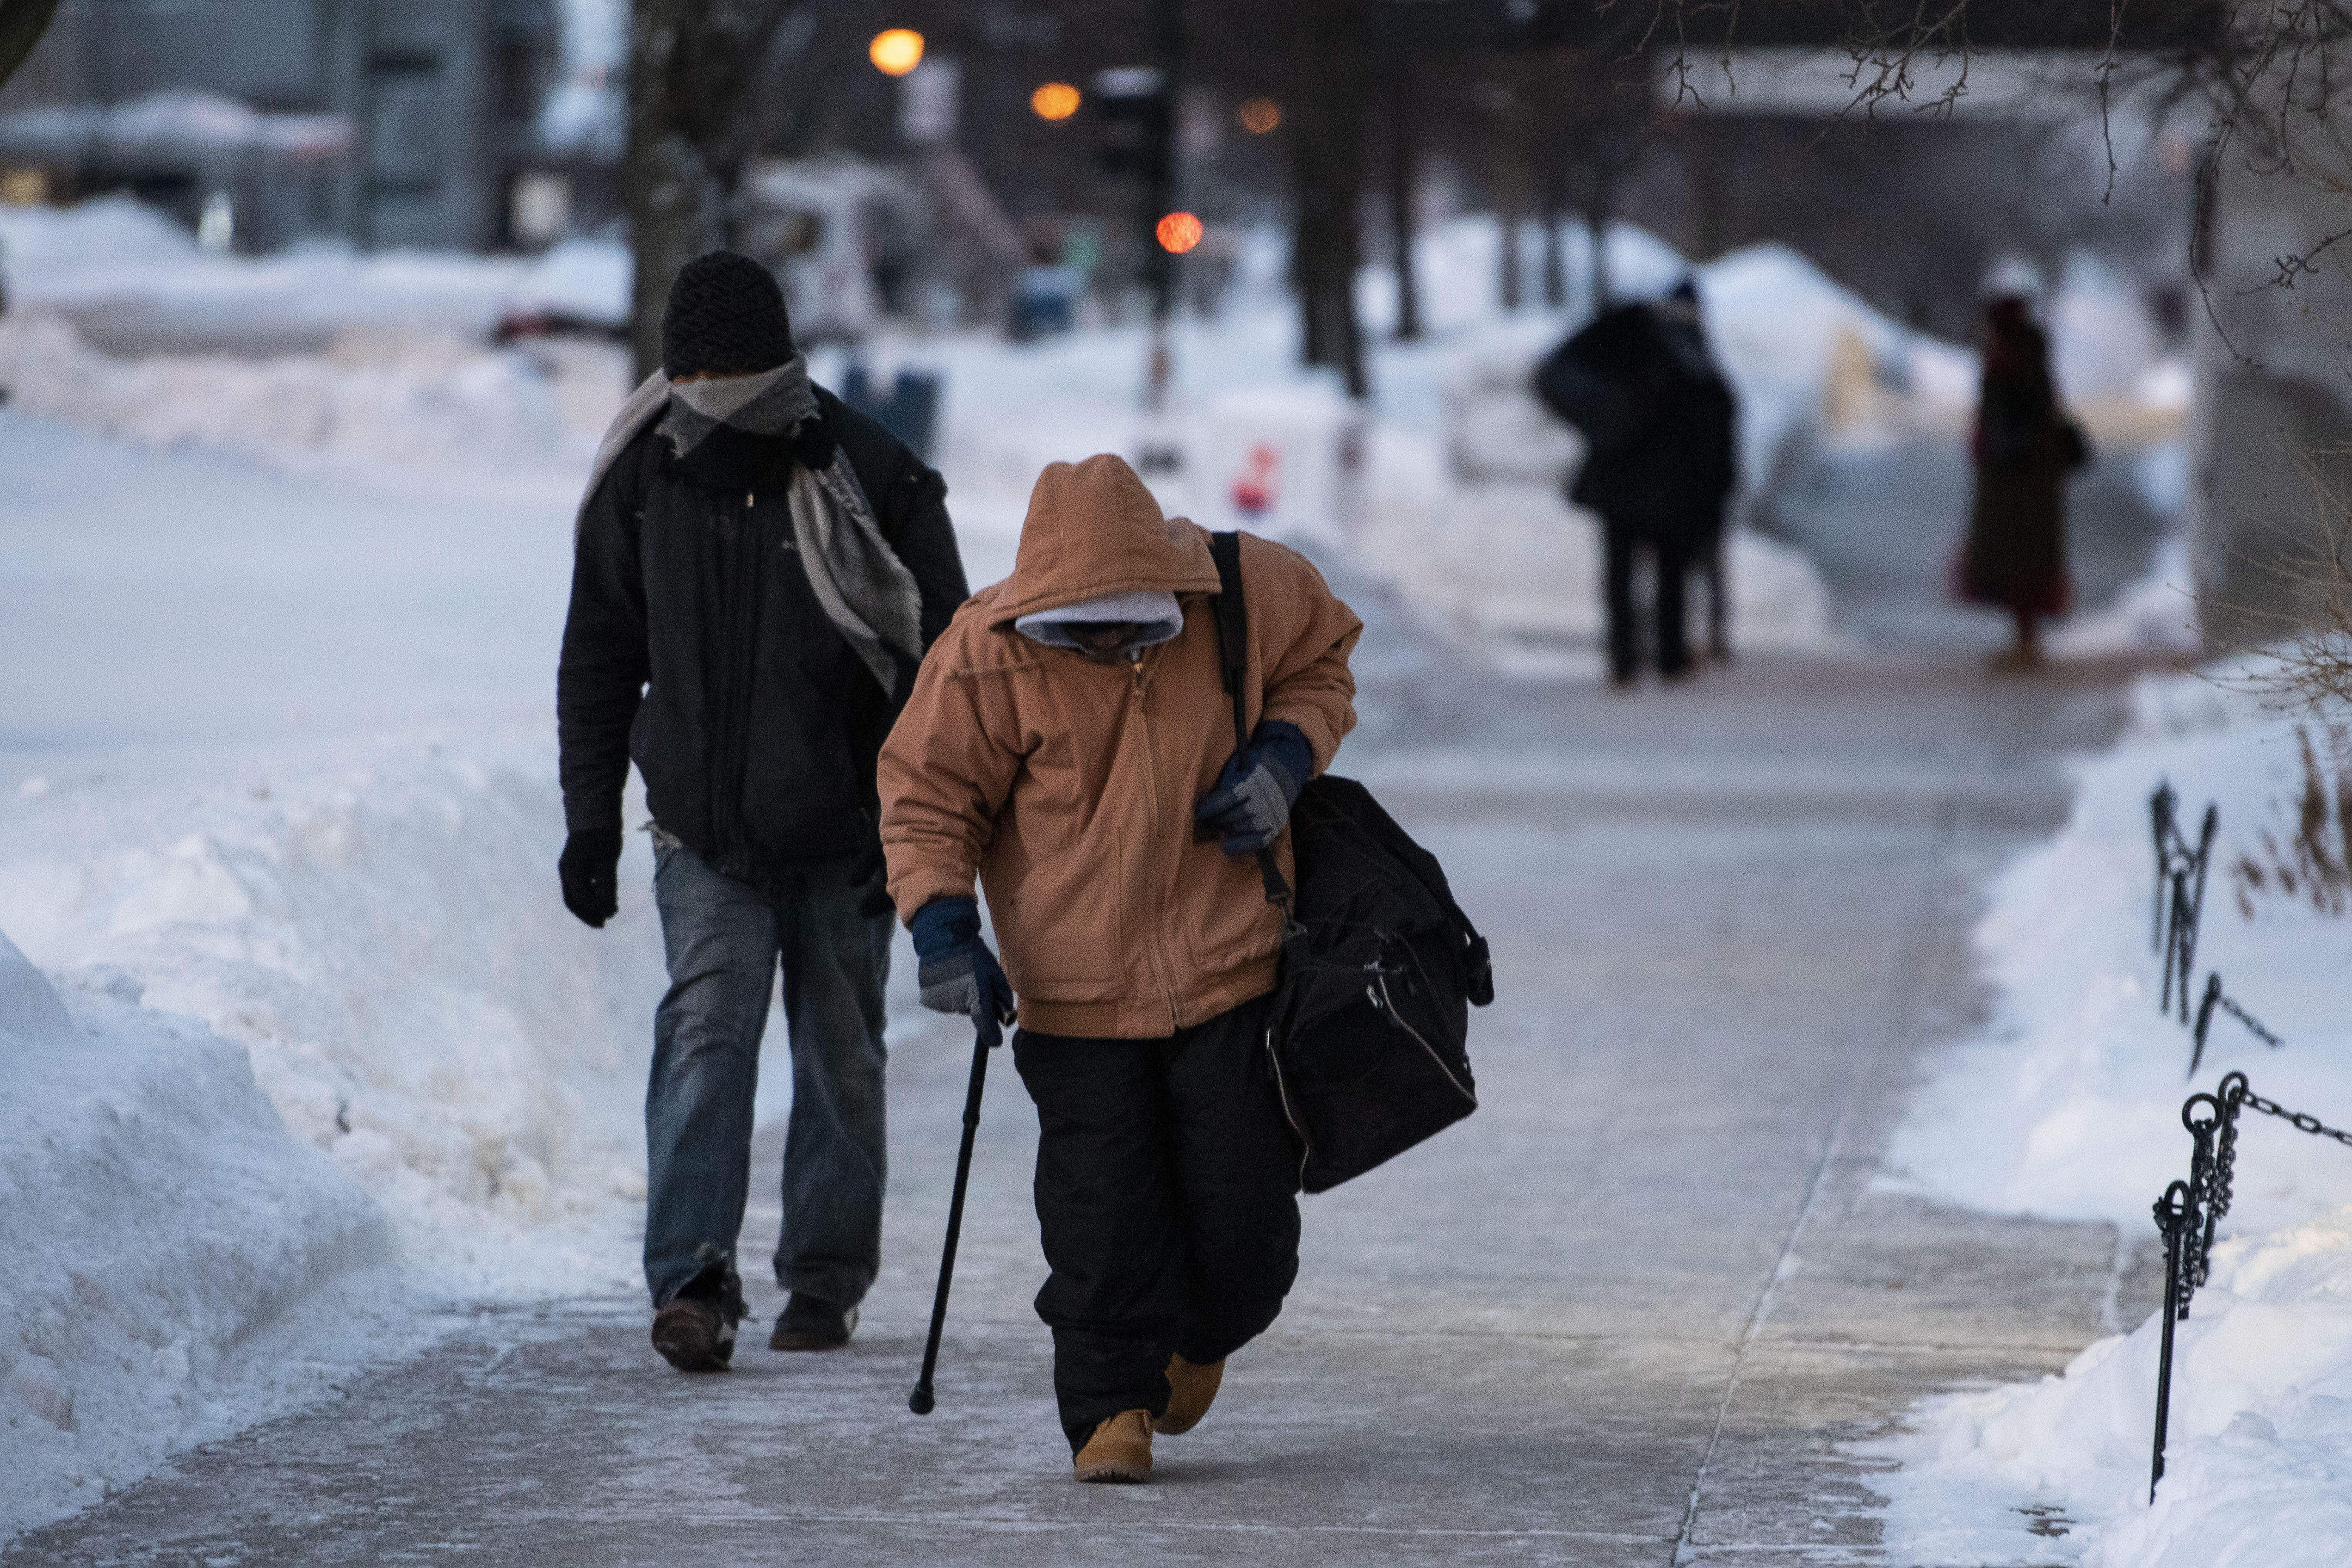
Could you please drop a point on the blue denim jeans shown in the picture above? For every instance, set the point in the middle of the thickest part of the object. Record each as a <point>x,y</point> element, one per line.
<point>724,939</point>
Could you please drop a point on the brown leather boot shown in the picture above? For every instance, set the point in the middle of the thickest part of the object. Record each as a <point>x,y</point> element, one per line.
<point>1121,1449</point>
<point>695,1334</point>
<point>1190,1390</point>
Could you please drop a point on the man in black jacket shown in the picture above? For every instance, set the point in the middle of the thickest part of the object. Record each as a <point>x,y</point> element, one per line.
<point>1660,424</point>
<point>758,571</point>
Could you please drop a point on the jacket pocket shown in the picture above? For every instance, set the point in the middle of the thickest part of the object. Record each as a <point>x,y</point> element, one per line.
<point>1236,925</point>
<point>1061,929</point>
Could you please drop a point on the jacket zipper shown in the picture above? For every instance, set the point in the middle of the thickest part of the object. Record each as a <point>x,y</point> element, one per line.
<point>1152,801</point>
<point>732,756</point>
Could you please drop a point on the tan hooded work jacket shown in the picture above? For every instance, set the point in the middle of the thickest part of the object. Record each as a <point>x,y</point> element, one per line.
<point>1067,787</point>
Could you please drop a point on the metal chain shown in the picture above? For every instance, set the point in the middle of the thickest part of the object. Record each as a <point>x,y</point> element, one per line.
<point>2254,1024</point>
<point>2211,1169</point>
<point>2188,1211</point>
<point>2301,1121</point>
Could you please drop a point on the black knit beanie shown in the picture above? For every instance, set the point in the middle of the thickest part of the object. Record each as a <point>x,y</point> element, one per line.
<point>725,316</point>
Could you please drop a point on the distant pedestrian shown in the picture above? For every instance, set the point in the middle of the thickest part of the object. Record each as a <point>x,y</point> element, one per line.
<point>2024,448</point>
<point>1660,424</point>
<point>758,571</point>
<point>1070,743</point>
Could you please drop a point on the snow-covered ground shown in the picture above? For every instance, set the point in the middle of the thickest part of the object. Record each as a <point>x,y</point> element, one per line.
<point>278,816</point>
<point>2069,1105</point>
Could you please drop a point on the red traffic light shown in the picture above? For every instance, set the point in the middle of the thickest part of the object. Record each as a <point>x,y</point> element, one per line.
<point>1177,233</point>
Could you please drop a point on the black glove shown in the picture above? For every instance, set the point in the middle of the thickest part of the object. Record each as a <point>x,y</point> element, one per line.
<point>590,867</point>
<point>1256,789</point>
<point>956,971</point>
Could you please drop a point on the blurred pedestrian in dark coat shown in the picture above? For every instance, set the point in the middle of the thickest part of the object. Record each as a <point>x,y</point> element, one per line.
<point>1660,425</point>
<point>2023,447</point>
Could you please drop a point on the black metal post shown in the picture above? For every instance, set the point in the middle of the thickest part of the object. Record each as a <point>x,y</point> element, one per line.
<point>2205,1019</point>
<point>920,1402</point>
<point>2173,1212</point>
<point>2197,904</point>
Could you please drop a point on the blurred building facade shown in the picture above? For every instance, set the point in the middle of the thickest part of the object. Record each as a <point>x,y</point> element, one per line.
<point>2271,435</point>
<point>385,122</point>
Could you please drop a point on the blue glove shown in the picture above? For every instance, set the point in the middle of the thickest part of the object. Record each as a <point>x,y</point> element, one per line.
<point>1257,788</point>
<point>955,969</point>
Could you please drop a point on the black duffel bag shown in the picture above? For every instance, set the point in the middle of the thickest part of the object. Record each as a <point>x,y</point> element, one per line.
<point>1379,966</point>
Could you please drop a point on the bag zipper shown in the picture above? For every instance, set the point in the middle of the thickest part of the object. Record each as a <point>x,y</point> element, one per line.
<point>1388,1005</point>
<point>1282,1092</point>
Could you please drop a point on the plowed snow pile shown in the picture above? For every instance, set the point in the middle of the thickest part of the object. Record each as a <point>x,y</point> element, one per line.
<point>2070,1107</point>
<point>178,1266</point>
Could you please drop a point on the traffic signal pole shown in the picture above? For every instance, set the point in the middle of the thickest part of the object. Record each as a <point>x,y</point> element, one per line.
<point>1160,199</point>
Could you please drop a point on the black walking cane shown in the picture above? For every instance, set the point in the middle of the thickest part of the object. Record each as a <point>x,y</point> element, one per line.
<point>921,1401</point>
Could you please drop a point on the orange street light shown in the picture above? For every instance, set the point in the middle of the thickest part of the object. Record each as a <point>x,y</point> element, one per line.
<point>1259,115</point>
<point>897,51</point>
<point>1178,232</point>
<point>1055,100</point>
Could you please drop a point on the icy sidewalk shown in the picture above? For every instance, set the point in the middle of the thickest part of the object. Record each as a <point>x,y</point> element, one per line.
<point>1623,1313</point>
<point>2069,1106</point>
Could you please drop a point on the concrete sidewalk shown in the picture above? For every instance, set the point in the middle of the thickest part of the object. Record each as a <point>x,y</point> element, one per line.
<point>1625,1314</point>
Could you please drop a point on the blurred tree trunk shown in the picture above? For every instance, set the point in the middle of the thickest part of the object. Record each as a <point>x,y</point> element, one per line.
<point>1328,160</point>
<point>1555,265</point>
<point>1404,183</point>
<point>1596,222</point>
<point>22,23</point>
<point>1511,141</point>
<point>692,67</point>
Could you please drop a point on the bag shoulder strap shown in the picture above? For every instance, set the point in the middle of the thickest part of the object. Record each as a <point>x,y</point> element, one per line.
<point>1232,626</point>
<point>1232,662</point>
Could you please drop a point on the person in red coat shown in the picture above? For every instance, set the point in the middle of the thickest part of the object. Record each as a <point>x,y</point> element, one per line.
<point>2024,448</point>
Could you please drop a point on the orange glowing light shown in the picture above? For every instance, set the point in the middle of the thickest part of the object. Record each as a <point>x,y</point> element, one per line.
<point>1259,115</point>
<point>1178,232</point>
<point>1055,100</point>
<point>897,51</point>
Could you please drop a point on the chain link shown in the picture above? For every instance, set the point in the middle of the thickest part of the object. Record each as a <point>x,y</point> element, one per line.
<point>2300,1120</point>
<point>2230,1005</point>
<point>2213,1171</point>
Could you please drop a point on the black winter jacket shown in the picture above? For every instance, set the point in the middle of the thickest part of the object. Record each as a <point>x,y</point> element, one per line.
<point>1674,459</point>
<point>695,646</point>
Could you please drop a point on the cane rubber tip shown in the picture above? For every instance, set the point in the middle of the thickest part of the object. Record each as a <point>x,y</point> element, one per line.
<point>921,1401</point>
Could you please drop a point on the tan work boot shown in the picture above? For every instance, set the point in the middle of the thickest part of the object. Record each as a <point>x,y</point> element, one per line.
<point>1190,1390</point>
<point>1121,1449</point>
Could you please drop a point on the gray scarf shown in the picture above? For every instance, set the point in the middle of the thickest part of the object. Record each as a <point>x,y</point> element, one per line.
<point>867,591</point>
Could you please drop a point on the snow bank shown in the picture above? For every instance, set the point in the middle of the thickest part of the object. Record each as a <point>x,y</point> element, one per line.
<point>2068,1105</point>
<point>388,399</point>
<point>375,930</point>
<point>45,248</point>
<point>119,268</point>
<point>178,1265</point>
<point>2258,1471</point>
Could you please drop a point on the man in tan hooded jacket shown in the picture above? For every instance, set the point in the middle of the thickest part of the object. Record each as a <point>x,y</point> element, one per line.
<point>1070,743</point>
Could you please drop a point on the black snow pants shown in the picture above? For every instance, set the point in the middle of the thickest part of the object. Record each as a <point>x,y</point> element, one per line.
<point>1167,1198</point>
